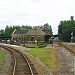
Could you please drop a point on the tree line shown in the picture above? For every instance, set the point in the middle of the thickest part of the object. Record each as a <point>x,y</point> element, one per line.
<point>9,29</point>
<point>66,30</point>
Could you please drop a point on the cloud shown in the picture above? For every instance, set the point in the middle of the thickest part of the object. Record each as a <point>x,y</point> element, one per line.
<point>36,1</point>
<point>35,12</point>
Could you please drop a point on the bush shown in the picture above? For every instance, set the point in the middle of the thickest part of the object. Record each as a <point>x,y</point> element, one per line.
<point>74,39</point>
<point>42,45</point>
<point>14,43</point>
<point>39,45</point>
<point>11,42</point>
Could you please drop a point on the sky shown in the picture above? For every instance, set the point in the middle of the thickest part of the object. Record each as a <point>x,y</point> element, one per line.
<point>35,12</point>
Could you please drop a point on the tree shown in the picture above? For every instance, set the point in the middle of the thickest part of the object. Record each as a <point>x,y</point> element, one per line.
<point>38,39</point>
<point>26,27</point>
<point>2,33</point>
<point>46,28</point>
<point>9,29</point>
<point>65,29</point>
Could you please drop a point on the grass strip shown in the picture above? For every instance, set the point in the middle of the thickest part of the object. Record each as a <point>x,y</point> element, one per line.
<point>46,55</point>
<point>33,45</point>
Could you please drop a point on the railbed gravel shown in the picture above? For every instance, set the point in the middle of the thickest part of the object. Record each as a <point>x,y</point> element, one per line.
<point>66,62</point>
<point>41,69</point>
<point>6,65</point>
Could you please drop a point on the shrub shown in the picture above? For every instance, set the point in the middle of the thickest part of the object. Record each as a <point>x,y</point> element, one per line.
<point>42,45</point>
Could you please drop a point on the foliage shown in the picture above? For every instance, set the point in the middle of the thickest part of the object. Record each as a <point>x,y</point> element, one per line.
<point>65,29</point>
<point>26,27</point>
<point>47,56</point>
<point>9,29</point>
<point>11,42</point>
<point>41,45</point>
<point>38,38</point>
<point>74,39</point>
<point>2,33</point>
<point>33,45</point>
<point>46,28</point>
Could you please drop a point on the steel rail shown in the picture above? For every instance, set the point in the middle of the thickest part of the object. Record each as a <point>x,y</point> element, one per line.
<point>67,47</point>
<point>14,66</point>
<point>25,57</point>
<point>13,57</point>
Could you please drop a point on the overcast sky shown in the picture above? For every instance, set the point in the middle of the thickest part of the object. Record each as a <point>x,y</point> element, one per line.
<point>35,12</point>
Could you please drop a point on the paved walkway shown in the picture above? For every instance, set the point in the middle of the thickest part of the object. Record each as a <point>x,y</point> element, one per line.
<point>16,46</point>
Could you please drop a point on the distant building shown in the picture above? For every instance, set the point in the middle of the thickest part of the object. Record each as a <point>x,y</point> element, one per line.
<point>28,35</point>
<point>18,36</point>
<point>36,33</point>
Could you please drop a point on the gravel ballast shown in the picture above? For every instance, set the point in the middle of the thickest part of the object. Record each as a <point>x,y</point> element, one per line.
<point>66,62</point>
<point>6,66</point>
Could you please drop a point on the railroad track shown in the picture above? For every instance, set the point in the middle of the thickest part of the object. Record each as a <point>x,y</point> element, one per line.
<point>67,47</point>
<point>21,64</point>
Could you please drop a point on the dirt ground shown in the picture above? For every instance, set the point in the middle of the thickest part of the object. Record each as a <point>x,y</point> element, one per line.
<point>66,62</point>
<point>6,66</point>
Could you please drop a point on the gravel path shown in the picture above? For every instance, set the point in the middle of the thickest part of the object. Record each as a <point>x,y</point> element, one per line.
<point>66,62</point>
<point>6,63</point>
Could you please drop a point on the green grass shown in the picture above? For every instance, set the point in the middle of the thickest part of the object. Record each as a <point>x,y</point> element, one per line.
<point>46,55</point>
<point>33,45</point>
<point>1,56</point>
